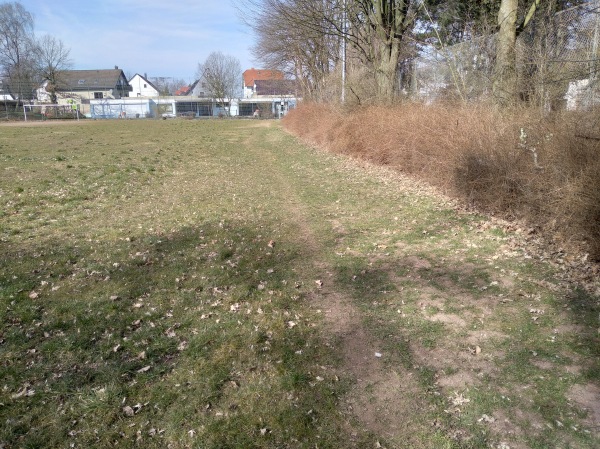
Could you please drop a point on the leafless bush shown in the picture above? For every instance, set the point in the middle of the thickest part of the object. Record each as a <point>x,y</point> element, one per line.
<point>519,163</point>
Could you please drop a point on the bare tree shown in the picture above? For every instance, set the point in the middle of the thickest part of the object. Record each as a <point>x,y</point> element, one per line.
<point>52,57</point>
<point>222,75</point>
<point>295,36</point>
<point>17,47</point>
<point>384,30</point>
<point>378,31</point>
<point>510,26</point>
<point>167,85</point>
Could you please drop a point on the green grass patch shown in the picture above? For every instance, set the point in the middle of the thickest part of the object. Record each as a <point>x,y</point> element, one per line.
<point>157,287</point>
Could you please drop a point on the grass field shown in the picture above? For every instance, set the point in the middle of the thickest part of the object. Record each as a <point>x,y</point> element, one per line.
<point>216,284</point>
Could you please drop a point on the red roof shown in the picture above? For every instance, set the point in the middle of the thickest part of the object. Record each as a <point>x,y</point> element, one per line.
<point>252,75</point>
<point>183,90</point>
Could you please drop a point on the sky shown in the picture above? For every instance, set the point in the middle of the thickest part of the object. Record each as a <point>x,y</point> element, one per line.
<point>160,38</point>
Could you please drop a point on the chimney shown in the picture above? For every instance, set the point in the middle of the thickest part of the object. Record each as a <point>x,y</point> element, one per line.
<point>116,67</point>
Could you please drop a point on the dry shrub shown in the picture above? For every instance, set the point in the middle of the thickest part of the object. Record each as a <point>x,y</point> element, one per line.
<point>573,179</point>
<point>312,122</point>
<point>549,176</point>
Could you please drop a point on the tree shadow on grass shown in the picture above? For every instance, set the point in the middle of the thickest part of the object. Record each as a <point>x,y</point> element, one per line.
<point>585,311</point>
<point>90,329</point>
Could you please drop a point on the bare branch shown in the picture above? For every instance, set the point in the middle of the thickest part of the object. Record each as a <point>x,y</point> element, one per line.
<point>222,75</point>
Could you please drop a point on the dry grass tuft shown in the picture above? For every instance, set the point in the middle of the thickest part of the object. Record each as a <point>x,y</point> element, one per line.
<point>517,163</point>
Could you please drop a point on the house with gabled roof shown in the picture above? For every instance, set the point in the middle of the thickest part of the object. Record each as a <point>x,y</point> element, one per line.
<point>81,86</point>
<point>142,87</point>
<point>251,76</point>
<point>197,89</point>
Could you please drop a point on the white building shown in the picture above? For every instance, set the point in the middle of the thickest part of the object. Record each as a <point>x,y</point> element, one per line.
<point>141,87</point>
<point>124,108</point>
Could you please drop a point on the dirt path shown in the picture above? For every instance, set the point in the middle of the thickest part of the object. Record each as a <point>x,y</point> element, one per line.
<point>385,399</point>
<point>468,303</point>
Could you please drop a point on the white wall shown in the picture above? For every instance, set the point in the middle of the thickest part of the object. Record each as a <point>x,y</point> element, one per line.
<point>122,108</point>
<point>141,87</point>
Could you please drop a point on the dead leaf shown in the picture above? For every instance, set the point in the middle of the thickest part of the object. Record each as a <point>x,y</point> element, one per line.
<point>459,399</point>
<point>475,351</point>
<point>144,369</point>
<point>26,391</point>
<point>128,411</point>
<point>487,419</point>
<point>34,295</point>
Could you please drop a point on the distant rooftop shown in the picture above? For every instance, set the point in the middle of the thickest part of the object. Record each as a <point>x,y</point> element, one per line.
<point>90,79</point>
<point>252,75</point>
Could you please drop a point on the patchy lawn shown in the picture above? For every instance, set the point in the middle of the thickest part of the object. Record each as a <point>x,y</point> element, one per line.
<point>217,284</point>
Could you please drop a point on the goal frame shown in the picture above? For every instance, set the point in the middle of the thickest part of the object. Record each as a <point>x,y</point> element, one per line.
<point>73,107</point>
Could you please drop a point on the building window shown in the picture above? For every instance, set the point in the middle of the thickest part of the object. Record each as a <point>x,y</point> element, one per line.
<point>145,85</point>
<point>98,95</point>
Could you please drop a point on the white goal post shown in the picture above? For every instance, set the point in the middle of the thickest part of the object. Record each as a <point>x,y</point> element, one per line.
<point>50,111</point>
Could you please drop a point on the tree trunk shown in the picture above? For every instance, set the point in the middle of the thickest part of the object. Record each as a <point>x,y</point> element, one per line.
<point>388,21</point>
<point>505,74</point>
<point>385,74</point>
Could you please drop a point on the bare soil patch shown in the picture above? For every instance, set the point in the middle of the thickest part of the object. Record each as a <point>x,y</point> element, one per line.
<point>450,319</point>
<point>385,399</point>
<point>587,397</point>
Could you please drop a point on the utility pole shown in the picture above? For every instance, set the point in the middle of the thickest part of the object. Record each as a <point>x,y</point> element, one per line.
<point>594,58</point>
<point>344,30</point>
